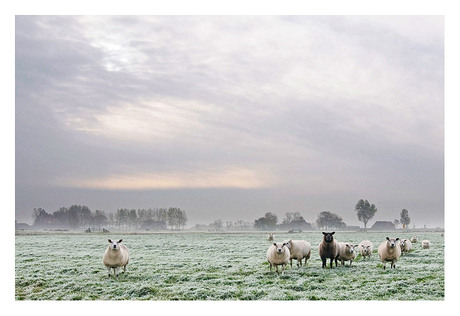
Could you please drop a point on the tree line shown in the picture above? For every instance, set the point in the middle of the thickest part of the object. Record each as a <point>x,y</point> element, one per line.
<point>78,216</point>
<point>326,220</point>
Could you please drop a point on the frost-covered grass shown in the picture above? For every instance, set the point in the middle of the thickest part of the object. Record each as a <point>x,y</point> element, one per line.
<point>208,266</point>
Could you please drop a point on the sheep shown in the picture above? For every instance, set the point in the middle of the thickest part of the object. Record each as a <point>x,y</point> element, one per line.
<point>328,248</point>
<point>389,250</point>
<point>299,249</point>
<point>406,245</point>
<point>116,256</point>
<point>271,237</point>
<point>425,244</point>
<point>365,248</point>
<point>278,254</point>
<point>346,252</point>
<point>413,239</point>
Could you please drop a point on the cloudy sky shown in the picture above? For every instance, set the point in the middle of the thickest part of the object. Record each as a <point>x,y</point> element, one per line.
<point>231,116</point>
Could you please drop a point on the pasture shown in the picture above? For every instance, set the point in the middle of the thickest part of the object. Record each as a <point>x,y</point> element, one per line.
<point>218,266</point>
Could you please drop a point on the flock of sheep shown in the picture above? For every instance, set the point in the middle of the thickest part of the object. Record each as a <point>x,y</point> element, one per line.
<point>280,254</point>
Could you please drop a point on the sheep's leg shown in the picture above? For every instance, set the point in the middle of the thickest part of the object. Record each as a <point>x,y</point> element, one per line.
<point>291,262</point>
<point>124,268</point>
<point>110,272</point>
<point>282,268</point>
<point>117,271</point>
<point>276,269</point>
<point>324,262</point>
<point>270,266</point>
<point>384,264</point>
<point>299,263</point>
<point>335,262</point>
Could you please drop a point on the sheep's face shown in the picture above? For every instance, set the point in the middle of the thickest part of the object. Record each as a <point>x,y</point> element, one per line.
<point>328,237</point>
<point>279,247</point>
<point>403,242</point>
<point>392,242</point>
<point>366,249</point>
<point>114,245</point>
<point>350,248</point>
<point>288,243</point>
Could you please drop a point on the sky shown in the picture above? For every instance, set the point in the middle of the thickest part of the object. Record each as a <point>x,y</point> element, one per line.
<point>230,117</point>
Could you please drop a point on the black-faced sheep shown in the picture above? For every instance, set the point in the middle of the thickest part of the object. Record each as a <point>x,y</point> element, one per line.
<point>116,256</point>
<point>328,249</point>
<point>278,254</point>
<point>365,248</point>
<point>389,250</point>
<point>346,252</point>
<point>299,250</point>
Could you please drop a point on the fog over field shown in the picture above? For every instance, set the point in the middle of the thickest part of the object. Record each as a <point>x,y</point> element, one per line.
<point>230,117</point>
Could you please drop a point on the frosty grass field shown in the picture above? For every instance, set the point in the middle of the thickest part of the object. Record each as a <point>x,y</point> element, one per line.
<point>213,266</point>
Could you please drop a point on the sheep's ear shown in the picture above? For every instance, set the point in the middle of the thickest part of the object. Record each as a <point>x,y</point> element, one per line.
<point>356,245</point>
<point>388,238</point>
<point>332,233</point>
<point>274,244</point>
<point>120,240</point>
<point>324,233</point>
<point>110,241</point>
<point>397,239</point>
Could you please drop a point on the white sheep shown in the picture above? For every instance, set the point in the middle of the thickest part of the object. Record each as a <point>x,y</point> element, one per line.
<point>116,256</point>
<point>278,254</point>
<point>406,245</point>
<point>271,237</point>
<point>299,249</point>
<point>389,250</point>
<point>346,252</point>
<point>365,248</point>
<point>413,239</point>
<point>426,244</point>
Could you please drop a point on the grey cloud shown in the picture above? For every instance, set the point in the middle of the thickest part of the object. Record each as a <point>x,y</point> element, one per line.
<point>327,105</point>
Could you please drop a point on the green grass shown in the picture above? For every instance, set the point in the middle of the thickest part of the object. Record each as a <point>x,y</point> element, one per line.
<point>203,266</point>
